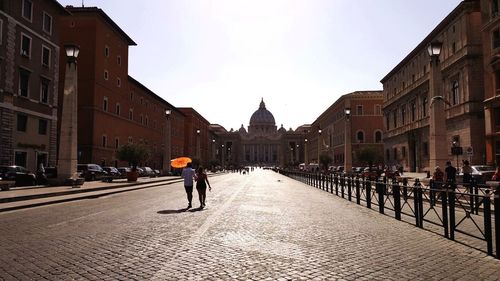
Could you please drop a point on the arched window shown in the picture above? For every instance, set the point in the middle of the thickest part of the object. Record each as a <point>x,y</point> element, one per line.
<point>360,136</point>
<point>378,137</point>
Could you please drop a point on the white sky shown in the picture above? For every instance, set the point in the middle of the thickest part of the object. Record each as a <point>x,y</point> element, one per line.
<point>222,56</point>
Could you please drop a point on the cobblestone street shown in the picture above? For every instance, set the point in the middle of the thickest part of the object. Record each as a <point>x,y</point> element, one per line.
<point>261,226</point>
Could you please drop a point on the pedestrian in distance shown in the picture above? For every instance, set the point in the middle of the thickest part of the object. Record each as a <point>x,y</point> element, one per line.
<point>467,171</point>
<point>188,174</point>
<point>201,186</point>
<point>451,175</point>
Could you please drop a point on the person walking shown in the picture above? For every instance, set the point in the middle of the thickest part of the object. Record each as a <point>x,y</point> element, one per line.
<point>467,171</point>
<point>188,175</point>
<point>451,175</point>
<point>201,186</point>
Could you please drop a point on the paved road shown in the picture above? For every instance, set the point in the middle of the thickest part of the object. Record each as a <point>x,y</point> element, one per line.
<point>261,226</point>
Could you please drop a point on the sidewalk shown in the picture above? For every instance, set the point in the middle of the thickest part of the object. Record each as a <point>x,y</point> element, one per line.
<point>25,197</point>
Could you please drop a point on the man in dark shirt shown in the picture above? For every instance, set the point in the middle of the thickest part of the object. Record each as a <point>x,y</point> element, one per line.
<point>451,174</point>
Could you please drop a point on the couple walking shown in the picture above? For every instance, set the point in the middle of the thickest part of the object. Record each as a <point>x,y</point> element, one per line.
<point>201,178</point>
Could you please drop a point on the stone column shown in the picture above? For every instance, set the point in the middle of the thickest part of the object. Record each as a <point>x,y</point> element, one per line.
<point>67,160</point>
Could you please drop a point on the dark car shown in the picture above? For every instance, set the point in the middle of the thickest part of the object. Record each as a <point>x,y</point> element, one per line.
<point>113,173</point>
<point>20,175</point>
<point>91,172</point>
<point>147,172</point>
<point>123,171</point>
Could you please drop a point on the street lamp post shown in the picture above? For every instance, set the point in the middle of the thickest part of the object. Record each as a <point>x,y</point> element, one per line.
<point>198,154</point>
<point>437,125</point>
<point>213,149</point>
<point>223,155</point>
<point>347,144</point>
<point>68,141</point>
<point>297,158</point>
<point>319,144</point>
<point>168,143</point>
<point>306,162</point>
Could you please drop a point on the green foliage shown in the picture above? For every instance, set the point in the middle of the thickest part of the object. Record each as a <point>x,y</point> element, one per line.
<point>132,153</point>
<point>369,155</point>
<point>325,160</point>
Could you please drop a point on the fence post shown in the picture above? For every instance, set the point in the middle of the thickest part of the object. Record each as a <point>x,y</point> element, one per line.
<point>380,190</point>
<point>444,206</point>
<point>358,194</point>
<point>331,183</point>
<point>342,185</point>
<point>487,223</point>
<point>368,192</point>
<point>349,187</point>
<point>451,198</point>
<point>496,202</point>
<point>416,205</point>
<point>336,180</point>
<point>397,199</point>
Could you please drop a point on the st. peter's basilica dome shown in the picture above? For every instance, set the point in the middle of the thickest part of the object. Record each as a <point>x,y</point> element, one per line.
<point>262,116</point>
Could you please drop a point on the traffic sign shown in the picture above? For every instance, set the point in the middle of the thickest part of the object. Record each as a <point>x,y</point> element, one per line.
<point>469,151</point>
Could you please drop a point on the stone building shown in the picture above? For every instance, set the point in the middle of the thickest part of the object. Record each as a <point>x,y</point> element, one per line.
<point>490,26</point>
<point>262,145</point>
<point>29,77</point>
<point>341,134</point>
<point>114,108</point>
<point>407,99</point>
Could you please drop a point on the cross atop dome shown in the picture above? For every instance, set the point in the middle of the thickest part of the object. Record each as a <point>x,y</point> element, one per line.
<point>262,104</point>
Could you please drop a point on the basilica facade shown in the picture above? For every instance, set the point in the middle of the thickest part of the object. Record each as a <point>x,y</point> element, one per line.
<point>263,144</point>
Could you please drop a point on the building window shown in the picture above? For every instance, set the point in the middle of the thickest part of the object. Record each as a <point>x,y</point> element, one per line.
<point>142,119</point>
<point>24,82</point>
<point>25,45</point>
<point>117,142</point>
<point>494,8</point>
<point>22,122</point>
<point>21,158</point>
<point>147,120</point>
<point>131,114</point>
<point>45,56</point>
<point>403,113</point>
<point>117,111</point>
<point>413,111</point>
<point>378,137</point>
<point>387,122</point>
<point>455,92</point>
<point>131,95</point>
<point>104,141</point>
<point>106,51</point>
<point>27,9</point>
<point>118,82</point>
<point>395,118</point>
<point>42,126</point>
<point>105,104</point>
<point>130,141</point>
<point>496,38</point>
<point>47,23</point>
<point>119,60</point>
<point>387,154</point>
<point>44,90</point>
<point>403,151</point>
<point>359,110</point>
<point>424,106</point>
<point>453,47</point>
<point>395,153</point>
<point>106,75</point>
<point>360,137</point>
<point>141,100</point>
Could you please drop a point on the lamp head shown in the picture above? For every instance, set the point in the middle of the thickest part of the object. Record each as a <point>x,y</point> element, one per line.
<point>434,48</point>
<point>72,51</point>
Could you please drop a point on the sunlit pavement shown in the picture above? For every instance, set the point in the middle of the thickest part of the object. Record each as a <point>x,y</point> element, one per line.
<point>261,226</point>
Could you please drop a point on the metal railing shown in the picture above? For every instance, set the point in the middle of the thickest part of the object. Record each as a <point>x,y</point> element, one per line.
<point>462,213</point>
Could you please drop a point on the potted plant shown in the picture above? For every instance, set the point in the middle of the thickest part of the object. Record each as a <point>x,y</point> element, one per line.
<point>133,154</point>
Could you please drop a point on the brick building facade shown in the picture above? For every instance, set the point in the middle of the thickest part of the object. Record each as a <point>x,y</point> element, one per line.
<point>29,74</point>
<point>362,129</point>
<point>407,99</point>
<point>114,108</point>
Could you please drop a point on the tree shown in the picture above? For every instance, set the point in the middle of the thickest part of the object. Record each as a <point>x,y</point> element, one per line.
<point>369,155</point>
<point>133,154</point>
<point>325,160</point>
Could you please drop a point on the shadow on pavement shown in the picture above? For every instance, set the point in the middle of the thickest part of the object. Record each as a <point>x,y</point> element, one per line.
<point>167,212</point>
<point>196,209</point>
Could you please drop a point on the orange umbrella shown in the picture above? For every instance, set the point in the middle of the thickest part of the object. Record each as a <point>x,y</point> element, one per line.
<point>180,162</point>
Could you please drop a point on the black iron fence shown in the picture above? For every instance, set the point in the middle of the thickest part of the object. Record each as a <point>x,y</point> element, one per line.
<point>466,213</point>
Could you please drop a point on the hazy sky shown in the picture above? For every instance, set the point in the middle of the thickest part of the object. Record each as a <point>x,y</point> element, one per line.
<point>222,56</point>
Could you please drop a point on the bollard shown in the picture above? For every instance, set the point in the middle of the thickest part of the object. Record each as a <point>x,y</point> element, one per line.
<point>416,205</point>
<point>397,200</point>
<point>487,223</point>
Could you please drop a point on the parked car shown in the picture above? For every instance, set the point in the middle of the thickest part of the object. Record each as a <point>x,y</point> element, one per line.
<point>370,173</point>
<point>19,174</point>
<point>157,172</point>
<point>123,171</point>
<point>481,173</point>
<point>148,172</point>
<point>113,173</point>
<point>91,172</point>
